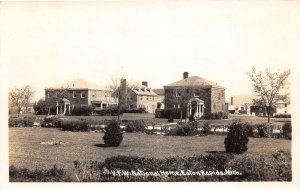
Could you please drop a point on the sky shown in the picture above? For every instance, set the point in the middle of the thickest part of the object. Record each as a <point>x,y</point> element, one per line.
<point>50,43</point>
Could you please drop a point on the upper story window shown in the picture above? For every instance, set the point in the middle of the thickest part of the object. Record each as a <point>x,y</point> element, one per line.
<point>285,105</point>
<point>147,97</point>
<point>93,94</point>
<point>196,92</point>
<point>48,94</point>
<point>178,92</point>
<point>83,94</point>
<point>141,97</point>
<point>219,96</point>
<point>74,94</point>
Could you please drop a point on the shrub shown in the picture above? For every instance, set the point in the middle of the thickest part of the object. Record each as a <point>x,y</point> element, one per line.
<point>237,138</point>
<point>282,116</point>
<point>171,119</point>
<point>51,122</point>
<point>110,111</point>
<point>212,116</point>
<point>177,113</point>
<point>217,161</point>
<point>135,126</point>
<point>138,110</point>
<point>287,130</point>
<point>113,135</point>
<point>265,130</point>
<point>21,122</point>
<point>46,175</point>
<point>257,168</point>
<point>184,129</point>
<point>76,125</point>
<point>82,111</point>
<point>206,128</point>
<point>249,168</point>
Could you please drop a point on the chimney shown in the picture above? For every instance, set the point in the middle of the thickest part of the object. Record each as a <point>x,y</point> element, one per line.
<point>185,75</point>
<point>145,83</point>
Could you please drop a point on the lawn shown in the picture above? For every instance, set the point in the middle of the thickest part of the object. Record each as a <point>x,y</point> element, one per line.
<point>26,148</point>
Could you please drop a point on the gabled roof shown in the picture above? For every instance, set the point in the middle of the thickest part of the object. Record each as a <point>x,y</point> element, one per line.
<point>160,91</point>
<point>143,90</point>
<point>79,84</point>
<point>242,99</point>
<point>194,81</point>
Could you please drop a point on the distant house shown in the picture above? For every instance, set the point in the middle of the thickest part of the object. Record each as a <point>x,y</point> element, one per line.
<point>79,93</point>
<point>283,107</point>
<point>200,95</point>
<point>140,96</point>
<point>240,104</point>
<point>161,98</point>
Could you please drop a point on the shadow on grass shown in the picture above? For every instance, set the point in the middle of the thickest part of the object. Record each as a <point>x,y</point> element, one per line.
<point>101,145</point>
<point>215,152</point>
<point>107,146</point>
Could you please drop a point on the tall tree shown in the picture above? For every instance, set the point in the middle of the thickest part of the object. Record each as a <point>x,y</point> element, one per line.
<point>269,87</point>
<point>119,92</point>
<point>20,98</point>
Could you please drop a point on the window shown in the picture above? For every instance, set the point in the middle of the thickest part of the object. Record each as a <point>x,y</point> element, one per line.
<point>178,92</point>
<point>56,95</point>
<point>83,94</point>
<point>48,94</point>
<point>147,97</point>
<point>105,95</point>
<point>93,94</point>
<point>285,105</point>
<point>141,97</point>
<point>196,92</point>
<point>223,92</point>
<point>219,96</point>
<point>74,94</point>
<point>178,105</point>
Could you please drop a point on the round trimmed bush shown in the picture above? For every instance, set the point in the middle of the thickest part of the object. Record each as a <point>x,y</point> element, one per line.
<point>287,130</point>
<point>113,135</point>
<point>237,138</point>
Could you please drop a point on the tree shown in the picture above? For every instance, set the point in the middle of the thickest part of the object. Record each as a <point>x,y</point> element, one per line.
<point>40,107</point>
<point>115,87</point>
<point>269,87</point>
<point>20,98</point>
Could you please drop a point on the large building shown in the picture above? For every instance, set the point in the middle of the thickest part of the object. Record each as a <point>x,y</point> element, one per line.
<point>197,94</point>
<point>79,93</point>
<point>140,96</point>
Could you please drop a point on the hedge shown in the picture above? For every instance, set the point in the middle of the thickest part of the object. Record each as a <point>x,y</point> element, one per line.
<point>21,122</point>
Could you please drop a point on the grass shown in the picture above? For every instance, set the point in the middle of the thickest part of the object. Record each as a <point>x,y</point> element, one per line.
<point>26,149</point>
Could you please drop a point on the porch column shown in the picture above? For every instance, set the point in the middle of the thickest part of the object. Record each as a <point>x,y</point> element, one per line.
<point>65,108</point>
<point>190,109</point>
<point>197,110</point>
<point>101,106</point>
<point>69,109</point>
